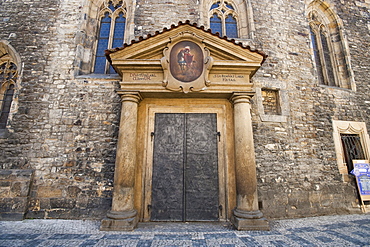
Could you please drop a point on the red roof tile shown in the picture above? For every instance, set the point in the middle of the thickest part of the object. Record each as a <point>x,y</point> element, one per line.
<point>173,26</point>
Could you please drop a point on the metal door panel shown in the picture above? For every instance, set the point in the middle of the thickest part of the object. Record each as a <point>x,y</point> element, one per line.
<point>167,183</point>
<point>185,168</point>
<point>201,171</point>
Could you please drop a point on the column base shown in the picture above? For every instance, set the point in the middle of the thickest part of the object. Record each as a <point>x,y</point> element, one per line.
<point>120,221</point>
<point>249,221</point>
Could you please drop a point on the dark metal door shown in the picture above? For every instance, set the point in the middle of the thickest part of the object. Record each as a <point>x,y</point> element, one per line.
<point>185,167</point>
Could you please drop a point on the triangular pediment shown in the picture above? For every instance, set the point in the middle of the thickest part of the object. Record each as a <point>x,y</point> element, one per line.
<point>153,45</point>
<point>185,58</point>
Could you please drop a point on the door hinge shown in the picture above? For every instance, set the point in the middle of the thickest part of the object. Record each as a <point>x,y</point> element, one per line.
<point>149,208</point>
<point>219,136</point>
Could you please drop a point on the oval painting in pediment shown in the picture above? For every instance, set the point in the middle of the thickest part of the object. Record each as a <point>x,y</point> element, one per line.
<point>186,61</point>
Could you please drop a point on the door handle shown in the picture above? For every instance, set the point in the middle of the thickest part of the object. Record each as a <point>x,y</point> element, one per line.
<point>151,136</point>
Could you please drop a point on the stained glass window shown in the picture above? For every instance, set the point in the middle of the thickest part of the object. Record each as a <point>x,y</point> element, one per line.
<point>216,24</point>
<point>231,27</point>
<point>111,34</point>
<point>215,5</point>
<point>223,19</point>
<point>229,6</point>
<point>100,61</point>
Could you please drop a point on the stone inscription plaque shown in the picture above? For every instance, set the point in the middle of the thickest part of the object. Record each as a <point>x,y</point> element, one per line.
<point>229,77</point>
<point>142,77</point>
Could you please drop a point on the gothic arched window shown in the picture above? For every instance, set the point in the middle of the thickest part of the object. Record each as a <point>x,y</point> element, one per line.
<point>323,57</point>
<point>8,77</point>
<point>111,33</point>
<point>223,19</point>
<point>330,55</point>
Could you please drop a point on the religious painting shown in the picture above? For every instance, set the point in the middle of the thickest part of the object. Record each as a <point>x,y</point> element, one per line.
<point>186,61</point>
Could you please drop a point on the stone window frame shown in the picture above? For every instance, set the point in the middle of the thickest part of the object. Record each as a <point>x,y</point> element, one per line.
<point>349,127</point>
<point>325,23</point>
<point>244,11</point>
<point>324,64</point>
<point>87,37</point>
<point>283,102</point>
<point>8,56</point>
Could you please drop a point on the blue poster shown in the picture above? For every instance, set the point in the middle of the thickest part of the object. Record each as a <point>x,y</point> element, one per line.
<point>362,173</point>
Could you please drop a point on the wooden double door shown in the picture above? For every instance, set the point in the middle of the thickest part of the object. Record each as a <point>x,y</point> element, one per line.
<point>185,183</point>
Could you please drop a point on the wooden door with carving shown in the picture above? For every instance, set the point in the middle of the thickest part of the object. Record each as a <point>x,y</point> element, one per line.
<point>185,184</point>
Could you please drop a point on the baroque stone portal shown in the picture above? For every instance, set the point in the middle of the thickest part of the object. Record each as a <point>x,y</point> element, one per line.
<point>185,73</point>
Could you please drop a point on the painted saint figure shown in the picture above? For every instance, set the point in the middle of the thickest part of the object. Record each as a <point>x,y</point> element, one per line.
<point>185,59</point>
<point>186,63</point>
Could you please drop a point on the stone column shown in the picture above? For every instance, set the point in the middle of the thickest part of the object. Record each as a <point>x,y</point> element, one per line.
<point>123,216</point>
<point>246,215</point>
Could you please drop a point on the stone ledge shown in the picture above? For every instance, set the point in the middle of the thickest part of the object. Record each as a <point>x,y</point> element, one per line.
<point>14,193</point>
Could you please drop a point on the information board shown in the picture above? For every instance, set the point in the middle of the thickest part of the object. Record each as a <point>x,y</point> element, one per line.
<point>361,169</point>
<point>362,173</point>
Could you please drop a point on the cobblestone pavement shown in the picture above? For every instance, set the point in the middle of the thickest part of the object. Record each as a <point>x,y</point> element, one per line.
<point>344,230</point>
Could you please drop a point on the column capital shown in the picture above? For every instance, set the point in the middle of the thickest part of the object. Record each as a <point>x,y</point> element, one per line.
<point>237,98</point>
<point>130,96</point>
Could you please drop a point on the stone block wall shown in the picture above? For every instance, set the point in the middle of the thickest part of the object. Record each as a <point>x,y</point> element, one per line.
<point>66,126</point>
<point>297,165</point>
<point>15,187</point>
<point>150,17</point>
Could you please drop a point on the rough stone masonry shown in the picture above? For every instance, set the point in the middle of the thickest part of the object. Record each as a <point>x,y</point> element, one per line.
<point>64,120</point>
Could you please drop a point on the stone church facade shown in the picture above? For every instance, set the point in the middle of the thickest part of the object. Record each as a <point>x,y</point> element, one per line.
<point>219,110</point>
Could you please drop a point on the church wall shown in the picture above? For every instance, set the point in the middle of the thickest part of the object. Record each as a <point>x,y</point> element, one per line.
<point>28,34</point>
<point>297,165</point>
<point>66,126</point>
<point>155,15</point>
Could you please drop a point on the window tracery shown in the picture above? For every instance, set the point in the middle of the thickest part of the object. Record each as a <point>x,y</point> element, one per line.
<point>8,77</point>
<point>322,52</point>
<point>112,15</point>
<point>223,19</point>
<point>328,44</point>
